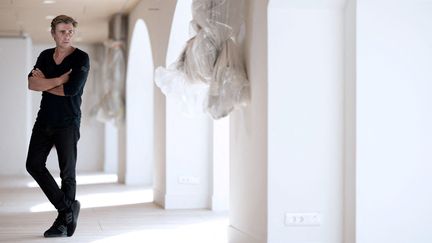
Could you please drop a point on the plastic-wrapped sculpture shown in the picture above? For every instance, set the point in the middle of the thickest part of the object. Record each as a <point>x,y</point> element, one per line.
<point>111,104</point>
<point>209,75</point>
<point>111,86</point>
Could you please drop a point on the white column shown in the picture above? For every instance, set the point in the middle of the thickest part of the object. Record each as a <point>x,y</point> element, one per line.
<point>305,121</point>
<point>158,24</point>
<point>287,157</point>
<point>188,138</point>
<point>111,148</point>
<point>248,139</point>
<point>140,109</point>
<point>121,145</point>
<point>14,105</point>
<point>221,163</point>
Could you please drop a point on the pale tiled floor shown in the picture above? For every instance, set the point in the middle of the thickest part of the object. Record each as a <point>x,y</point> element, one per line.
<point>110,213</point>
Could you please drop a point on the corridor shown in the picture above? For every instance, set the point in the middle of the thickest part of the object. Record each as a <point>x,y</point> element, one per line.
<point>110,212</point>
<point>336,128</point>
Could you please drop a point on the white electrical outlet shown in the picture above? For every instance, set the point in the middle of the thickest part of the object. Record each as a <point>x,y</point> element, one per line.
<point>191,180</point>
<point>303,219</point>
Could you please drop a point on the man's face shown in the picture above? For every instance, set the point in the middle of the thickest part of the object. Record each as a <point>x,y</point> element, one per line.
<point>63,34</point>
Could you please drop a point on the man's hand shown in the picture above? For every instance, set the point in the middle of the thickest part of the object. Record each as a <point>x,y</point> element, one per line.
<point>65,77</point>
<point>59,90</point>
<point>38,73</point>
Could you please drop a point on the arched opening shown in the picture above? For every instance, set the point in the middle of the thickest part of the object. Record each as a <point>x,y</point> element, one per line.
<point>197,148</point>
<point>139,109</point>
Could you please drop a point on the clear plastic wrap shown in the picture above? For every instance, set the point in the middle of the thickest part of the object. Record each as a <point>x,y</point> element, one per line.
<point>175,85</point>
<point>222,18</point>
<point>201,57</point>
<point>209,75</point>
<point>197,59</point>
<point>229,83</point>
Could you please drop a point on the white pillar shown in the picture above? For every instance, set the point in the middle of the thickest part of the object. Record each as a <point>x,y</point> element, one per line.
<point>188,139</point>
<point>220,165</point>
<point>15,101</point>
<point>111,148</point>
<point>121,145</point>
<point>305,121</point>
<point>287,157</point>
<point>140,109</point>
<point>248,138</point>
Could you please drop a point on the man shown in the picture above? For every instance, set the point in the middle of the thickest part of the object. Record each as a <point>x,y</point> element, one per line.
<point>60,73</point>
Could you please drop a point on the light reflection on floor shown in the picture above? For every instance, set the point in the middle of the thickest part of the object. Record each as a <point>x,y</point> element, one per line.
<point>214,231</point>
<point>104,199</point>
<point>96,200</point>
<point>85,179</point>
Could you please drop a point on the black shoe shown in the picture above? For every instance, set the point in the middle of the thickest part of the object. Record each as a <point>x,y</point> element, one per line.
<point>58,229</point>
<point>71,217</point>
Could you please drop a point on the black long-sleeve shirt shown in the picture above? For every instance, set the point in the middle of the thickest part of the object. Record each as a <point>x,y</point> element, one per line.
<point>63,111</point>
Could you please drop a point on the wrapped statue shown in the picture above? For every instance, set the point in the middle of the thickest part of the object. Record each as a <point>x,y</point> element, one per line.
<point>209,75</point>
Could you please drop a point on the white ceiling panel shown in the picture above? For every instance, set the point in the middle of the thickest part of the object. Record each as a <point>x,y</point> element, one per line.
<point>30,17</point>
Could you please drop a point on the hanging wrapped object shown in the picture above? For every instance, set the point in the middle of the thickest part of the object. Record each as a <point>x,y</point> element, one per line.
<point>111,103</point>
<point>228,87</point>
<point>177,82</point>
<point>209,74</point>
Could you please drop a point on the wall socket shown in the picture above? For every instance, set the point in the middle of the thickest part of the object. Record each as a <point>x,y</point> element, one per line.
<point>190,180</point>
<point>303,219</point>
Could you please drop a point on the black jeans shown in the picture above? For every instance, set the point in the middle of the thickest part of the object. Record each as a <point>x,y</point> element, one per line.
<point>65,141</point>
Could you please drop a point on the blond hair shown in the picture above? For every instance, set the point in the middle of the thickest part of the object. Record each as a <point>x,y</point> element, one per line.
<point>62,19</point>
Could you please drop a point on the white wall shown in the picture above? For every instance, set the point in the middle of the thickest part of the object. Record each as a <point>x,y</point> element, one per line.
<point>91,143</point>
<point>394,121</point>
<point>248,138</point>
<point>14,102</point>
<point>139,107</point>
<point>305,118</point>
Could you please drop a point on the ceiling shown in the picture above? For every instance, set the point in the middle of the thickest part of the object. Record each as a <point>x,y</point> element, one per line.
<point>33,17</point>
